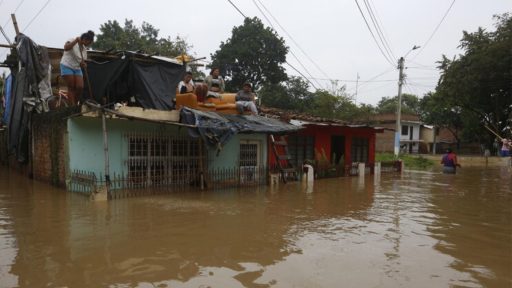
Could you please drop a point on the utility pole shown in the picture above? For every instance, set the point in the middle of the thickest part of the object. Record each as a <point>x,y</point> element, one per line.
<point>399,105</point>
<point>357,85</point>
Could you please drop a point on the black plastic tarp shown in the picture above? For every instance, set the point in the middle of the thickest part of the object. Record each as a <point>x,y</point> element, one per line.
<point>152,82</point>
<point>32,69</point>
<point>216,129</point>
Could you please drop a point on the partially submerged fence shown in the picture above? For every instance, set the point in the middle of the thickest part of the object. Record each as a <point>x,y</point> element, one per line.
<point>126,185</point>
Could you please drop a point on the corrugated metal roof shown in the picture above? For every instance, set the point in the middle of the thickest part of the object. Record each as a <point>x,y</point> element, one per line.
<point>302,123</point>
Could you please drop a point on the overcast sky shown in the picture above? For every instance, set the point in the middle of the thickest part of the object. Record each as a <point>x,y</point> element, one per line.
<point>333,34</point>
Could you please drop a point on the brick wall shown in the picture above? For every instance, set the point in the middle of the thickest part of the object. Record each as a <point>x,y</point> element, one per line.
<point>50,159</point>
<point>385,142</point>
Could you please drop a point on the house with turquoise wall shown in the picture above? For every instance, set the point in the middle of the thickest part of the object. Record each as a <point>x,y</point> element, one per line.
<point>143,152</point>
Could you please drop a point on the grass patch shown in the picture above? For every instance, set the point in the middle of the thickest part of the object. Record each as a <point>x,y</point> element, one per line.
<point>417,162</point>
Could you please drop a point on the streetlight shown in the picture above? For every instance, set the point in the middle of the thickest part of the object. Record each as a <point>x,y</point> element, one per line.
<point>399,104</point>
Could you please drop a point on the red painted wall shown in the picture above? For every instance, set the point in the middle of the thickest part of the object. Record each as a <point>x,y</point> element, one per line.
<point>323,136</point>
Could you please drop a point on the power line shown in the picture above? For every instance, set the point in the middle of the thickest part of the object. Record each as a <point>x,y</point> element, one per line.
<point>435,30</point>
<point>373,36</point>
<point>360,81</point>
<point>312,84</point>
<point>373,78</point>
<point>37,14</point>
<point>5,35</point>
<point>293,40</point>
<point>376,25</point>
<point>291,52</point>
<point>237,9</point>
<point>15,10</point>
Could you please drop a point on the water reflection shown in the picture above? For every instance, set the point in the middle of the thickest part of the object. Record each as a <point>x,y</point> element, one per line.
<point>413,230</point>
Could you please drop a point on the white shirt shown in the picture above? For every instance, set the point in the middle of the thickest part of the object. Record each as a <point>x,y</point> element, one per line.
<point>72,57</point>
<point>190,85</point>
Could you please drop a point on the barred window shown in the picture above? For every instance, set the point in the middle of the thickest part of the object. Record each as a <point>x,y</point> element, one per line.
<point>249,161</point>
<point>157,159</point>
<point>301,148</point>
<point>248,155</point>
<point>360,148</point>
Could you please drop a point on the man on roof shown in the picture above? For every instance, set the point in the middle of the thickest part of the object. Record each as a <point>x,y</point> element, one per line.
<point>245,99</point>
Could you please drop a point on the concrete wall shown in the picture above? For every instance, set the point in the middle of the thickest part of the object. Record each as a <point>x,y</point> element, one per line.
<point>86,142</point>
<point>230,155</point>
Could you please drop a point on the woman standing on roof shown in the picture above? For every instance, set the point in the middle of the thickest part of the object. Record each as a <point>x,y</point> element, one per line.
<point>72,61</point>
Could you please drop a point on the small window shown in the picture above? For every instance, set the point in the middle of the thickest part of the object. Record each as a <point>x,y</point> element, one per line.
<point>437,131</point>
<point>405,130</point>
<point>360,148</point>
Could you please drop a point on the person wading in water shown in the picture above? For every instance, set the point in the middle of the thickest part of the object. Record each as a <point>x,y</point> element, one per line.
<point>449,162</point>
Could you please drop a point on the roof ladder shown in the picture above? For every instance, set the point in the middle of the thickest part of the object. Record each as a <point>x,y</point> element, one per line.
<point>283,158</point>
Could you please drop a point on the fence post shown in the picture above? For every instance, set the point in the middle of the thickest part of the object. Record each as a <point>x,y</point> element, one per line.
<point>361,168</point>
<point>376,170</point>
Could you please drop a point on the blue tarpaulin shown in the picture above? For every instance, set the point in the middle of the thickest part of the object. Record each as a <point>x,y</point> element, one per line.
<point>216,129</point>
<point>7,97</point>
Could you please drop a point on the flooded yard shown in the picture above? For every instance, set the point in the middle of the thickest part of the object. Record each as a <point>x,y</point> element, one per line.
<point>419,229</point>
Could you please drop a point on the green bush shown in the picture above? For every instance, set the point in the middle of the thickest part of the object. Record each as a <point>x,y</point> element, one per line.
<point>410,161</point>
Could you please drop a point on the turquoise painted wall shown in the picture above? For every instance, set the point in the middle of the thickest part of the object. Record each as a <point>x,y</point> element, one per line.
<point>86,142</point>
<point>229,156</point>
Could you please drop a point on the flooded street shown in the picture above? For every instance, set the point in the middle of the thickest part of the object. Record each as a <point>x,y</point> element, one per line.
<point>421,229</point>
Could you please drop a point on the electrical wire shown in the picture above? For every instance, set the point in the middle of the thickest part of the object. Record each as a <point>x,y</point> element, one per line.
<point>291,52</point>
<point>312,84</point>
<point>366,82</point>
<point>359,81</point>
<point>15,10</point>
<point>237,9</point>
<point>37,14</point>
<point>373,36</point>
<point>376,25</point>
<point>300,73</point>
<point>435,30</point>
<point>5,35</point>
<point>293,40</point>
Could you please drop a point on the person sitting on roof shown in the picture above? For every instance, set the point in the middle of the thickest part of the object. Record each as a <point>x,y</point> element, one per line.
<point>187,84</point>
<point>215,83</point>
<point>72,61</point>
<point>245,99</point>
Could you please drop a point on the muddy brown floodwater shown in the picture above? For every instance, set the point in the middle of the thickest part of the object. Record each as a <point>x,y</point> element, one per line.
<point>419,229</point>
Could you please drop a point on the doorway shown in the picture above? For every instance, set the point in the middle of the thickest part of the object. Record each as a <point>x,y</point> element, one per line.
<point>337,149</point>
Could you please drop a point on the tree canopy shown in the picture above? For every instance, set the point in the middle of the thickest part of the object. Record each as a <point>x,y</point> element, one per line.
<point>144,39</point>
<point>254,53</point>
<point>474,88</point>
<point>292,94</point>
<point>410,104</point>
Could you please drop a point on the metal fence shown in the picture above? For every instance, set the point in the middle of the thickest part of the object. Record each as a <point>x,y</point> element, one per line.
<point>83,182</point>
<point>129,185</point>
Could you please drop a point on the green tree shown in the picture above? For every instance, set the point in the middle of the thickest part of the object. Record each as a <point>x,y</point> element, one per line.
<point>254,53</point>
<point>144,39</point>
<point>434,110</point>
<point>410,104</point>
<point>477,83</point>
<point>292,94</point>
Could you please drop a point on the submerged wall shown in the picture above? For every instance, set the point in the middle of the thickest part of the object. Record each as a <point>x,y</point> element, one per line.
<point>229,156</point>
<point>49,147</point>
<point>86,142</point>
